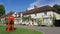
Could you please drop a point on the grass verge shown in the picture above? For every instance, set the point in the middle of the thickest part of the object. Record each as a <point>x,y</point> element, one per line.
<point>18,31</point>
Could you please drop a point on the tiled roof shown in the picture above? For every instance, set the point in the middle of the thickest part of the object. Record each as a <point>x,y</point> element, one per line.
<point>35,10</point>
<point>2,16</point>
<point>10,13</point>
<point>40,9</point>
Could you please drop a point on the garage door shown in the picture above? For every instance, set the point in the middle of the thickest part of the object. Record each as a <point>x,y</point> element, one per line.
<point>57,23</point>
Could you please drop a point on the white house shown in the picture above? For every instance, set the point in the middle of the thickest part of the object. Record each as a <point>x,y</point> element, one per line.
<point>17,17</point>
<point>42,15</point>
<point>45,14</point>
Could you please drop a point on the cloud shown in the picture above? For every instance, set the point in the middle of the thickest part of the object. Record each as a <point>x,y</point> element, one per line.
<point>40,3</point>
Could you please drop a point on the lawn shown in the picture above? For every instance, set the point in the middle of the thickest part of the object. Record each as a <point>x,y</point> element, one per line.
<point>18,31</point>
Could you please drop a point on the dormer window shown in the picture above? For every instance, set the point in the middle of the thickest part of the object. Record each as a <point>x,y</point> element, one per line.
<point>35,14</point>
<point>15,15</point>
<point>45,13</point>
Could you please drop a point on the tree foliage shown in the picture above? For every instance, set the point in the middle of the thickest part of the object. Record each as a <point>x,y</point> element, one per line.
<point>39,21</point>
<point>56,6</point>
<point>2,10</point>
<point>54,17</point>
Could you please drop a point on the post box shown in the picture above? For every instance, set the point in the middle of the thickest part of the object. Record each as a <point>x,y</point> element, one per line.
<point>10,24</point>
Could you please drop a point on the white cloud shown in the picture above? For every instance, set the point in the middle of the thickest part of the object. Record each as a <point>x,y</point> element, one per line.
<point>40,3</point>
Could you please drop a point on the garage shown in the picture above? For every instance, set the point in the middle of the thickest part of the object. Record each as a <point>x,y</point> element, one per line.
<point>57,23</point>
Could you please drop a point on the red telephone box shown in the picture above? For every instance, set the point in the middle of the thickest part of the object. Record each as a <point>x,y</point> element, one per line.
<point>10,24</point>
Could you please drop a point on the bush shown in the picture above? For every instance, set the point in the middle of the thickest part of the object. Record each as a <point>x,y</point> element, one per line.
<point>49,24</point>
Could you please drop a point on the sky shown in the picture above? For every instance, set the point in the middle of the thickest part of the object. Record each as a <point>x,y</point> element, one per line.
<point>22,5</point>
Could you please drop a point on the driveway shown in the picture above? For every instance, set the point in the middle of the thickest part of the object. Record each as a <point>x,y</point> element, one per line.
<point>45,30</point>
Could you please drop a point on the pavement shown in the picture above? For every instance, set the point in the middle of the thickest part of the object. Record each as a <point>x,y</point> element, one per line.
<point>44,30</point>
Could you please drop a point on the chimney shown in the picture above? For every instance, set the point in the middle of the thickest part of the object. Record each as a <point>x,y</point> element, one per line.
<point>35,8</point>
<point>27,11</point>
<point>10,13</point>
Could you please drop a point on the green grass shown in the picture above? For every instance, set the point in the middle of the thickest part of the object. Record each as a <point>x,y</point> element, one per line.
<point>18,31</point>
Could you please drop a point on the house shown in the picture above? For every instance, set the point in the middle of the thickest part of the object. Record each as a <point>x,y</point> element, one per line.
<point>44,15</point>
<point>2,19</point>
<point>17,17</point>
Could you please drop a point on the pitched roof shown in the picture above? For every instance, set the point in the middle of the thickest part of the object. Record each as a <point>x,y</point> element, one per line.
<point>36,10</point>
<point>2,16</point>
<point>10,13</point>
<point>40,9</point>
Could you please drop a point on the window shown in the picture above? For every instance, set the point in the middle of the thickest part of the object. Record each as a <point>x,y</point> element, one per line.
<point>35,20</point>
<point>45,13</point>
<point>46,20</point>
<point>19,15</point>
<point>18,21</point>
<point>35,14</point>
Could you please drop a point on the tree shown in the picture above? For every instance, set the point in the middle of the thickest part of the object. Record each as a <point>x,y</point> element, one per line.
<point>57,7</point>
<point>54,17</point>
<point>2,10</point>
